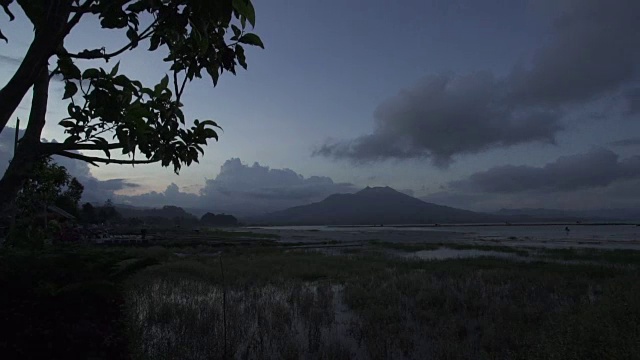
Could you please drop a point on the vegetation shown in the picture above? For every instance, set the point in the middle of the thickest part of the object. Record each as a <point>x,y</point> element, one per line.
<point>414,247</point>
<point>61,304</point>
<point>260,299</point>
<point>193,35</point>
<point>378,307</point>
<point>106,213</point>
<point>48,184</point>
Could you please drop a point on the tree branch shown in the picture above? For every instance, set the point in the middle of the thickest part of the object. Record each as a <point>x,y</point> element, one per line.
<point>90,56</point>
<point>93,160</point>
<point>56,147</point>
<point>38,112</point>
<point>79,11</point>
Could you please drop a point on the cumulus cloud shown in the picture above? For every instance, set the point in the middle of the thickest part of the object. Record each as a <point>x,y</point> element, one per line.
<point>257,188</point>
<point>597,168</point>
<point>243,189</point>
<point>171,196</point>
<point>592,53</point>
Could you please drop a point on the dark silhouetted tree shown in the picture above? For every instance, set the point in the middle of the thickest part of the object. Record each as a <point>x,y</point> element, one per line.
<point>88,213</point>
<point>108,213</point>
<point>48,184</point>
<point>146,124</point>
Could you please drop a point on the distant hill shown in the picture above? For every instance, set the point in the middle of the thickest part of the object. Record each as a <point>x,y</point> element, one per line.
<point>218,220</point>
<point>166,212</point>
<point>372,206</point>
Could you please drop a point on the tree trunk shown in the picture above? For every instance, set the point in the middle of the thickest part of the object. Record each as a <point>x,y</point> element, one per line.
<point>49,34</point>
<point>29,149</point>
<point>12,94</point>
<point>18,171</point>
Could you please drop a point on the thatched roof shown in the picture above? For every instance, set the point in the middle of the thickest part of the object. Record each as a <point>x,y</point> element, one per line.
<point>60,212</point>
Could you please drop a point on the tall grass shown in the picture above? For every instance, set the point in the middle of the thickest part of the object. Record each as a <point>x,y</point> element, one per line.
<point>297,305</point>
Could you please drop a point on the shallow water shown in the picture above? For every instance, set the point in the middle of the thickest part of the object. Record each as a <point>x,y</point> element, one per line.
<point>446,253</point>
<point>576,233</point>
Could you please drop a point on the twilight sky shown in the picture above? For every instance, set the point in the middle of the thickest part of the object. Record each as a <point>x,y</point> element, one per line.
<point>476,104</point>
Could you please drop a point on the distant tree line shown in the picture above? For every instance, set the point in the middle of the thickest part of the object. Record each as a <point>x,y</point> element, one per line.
<point>218,220</point>
<point>106,213</point>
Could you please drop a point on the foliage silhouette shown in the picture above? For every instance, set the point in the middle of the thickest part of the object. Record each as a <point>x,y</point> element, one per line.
<point>196,35</point>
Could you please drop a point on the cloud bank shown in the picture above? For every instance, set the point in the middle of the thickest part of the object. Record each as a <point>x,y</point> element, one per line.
<point>596,179</point>
<point>593,53</point>
<point>242,189</point>
<point>597,168</point>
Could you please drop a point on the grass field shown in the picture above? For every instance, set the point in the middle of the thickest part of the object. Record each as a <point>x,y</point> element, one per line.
<point>282,302</point>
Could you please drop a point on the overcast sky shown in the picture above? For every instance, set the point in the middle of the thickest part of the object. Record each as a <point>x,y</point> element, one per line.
<point>476,104</point>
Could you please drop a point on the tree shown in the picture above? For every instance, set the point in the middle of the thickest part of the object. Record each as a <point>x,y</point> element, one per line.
<point>88,213</point>
<point>108,213</point>
<point>70,198</point>
<point>48,184</point>
<point>196,35</point>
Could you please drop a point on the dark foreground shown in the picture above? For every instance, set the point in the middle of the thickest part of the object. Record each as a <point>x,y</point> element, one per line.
<point>286,302</point>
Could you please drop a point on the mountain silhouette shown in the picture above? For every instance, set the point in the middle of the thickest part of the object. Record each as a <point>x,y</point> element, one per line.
<point>373,206</point>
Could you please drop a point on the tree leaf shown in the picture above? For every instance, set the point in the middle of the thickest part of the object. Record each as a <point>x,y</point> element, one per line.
<point>132,35</point>
<point>67,123</point>
<point>236,31</point>
<point>164,83</point>
<point>115,69</point>
<point>70,89</point>
<point>68,69</point>
<point>91,73</point>
<point>154,43</point>
<point>5,7</point>
<point>246,10</point>
<point>251,39</point>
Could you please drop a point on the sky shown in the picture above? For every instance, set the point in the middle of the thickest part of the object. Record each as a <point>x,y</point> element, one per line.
<point>475,104</point>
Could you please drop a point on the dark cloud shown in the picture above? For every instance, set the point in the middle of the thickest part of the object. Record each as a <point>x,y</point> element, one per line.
<point>594,49</point>
<point>595,169</point>
<point>617,195</point>
<point>634,141</point>
<point>447,115</point>
<point>593,52</point>
<point>633,101</point>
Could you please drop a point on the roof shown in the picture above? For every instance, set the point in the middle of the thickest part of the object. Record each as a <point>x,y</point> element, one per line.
<point>60,212</point>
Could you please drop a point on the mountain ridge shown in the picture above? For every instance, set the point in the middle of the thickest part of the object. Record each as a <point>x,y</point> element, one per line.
<point>373,205</point>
